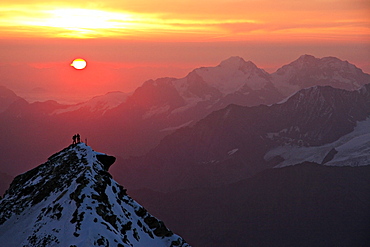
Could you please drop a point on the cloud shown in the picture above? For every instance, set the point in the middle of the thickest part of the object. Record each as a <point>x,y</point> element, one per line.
<point>183,20</point>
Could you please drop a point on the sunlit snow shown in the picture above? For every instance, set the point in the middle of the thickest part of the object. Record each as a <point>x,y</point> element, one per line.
<point>353,150</point>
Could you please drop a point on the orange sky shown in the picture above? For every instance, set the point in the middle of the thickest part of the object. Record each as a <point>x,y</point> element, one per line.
<point>191,20</point>
<point>127,42</point>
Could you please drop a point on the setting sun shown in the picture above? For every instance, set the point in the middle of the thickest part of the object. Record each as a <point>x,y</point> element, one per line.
<point>79,63</point>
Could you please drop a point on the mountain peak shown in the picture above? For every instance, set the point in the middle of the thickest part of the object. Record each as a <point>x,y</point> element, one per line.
<point>7,97</point>
<point>307,57</point>
<point>233,74</point>
<point>232,60</point>
<point>308,71</point>
<point>237,62</point>
<point>304,61</point>
<point>321,63</point>
<point>72,200</point>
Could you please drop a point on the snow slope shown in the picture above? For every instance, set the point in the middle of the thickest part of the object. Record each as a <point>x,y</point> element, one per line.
<point>231,74</point>
<point>352,149</point>
<point>71,200</point>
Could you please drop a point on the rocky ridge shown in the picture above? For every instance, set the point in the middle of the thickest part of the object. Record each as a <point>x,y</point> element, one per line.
<point>72,200</point>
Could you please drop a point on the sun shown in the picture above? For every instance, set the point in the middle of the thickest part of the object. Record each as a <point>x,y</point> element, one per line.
<point>79,63</point>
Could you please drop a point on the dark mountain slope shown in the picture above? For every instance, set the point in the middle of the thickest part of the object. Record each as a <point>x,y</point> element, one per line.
<point>230,144</point>
<point>5,180</point>
<point>302,205</point>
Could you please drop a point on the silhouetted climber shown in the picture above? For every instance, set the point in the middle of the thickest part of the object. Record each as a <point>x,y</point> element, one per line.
<point>78,138</point>
<point>74,139</point>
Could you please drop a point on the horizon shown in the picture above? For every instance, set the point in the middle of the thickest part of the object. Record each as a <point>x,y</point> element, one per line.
<point>31,98</point>
<point>127,44</point>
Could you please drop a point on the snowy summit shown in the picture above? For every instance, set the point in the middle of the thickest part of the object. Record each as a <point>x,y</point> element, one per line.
<point>72,200</point>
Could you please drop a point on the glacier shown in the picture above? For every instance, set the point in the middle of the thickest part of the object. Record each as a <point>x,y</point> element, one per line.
<point>352,149</point>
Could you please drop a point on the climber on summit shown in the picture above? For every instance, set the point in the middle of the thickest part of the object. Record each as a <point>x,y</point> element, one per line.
<point>78,138</point>
<point>74,139</point>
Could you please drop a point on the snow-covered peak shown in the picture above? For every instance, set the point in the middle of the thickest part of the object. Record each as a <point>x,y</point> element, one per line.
<point>233,74</point>
<point>308,71</point>
<point>304,60</point>
<point>309,60</point>
<point>327,63</point>
<point>72,200</point>
<point>233,63</point>
<point>290,70</point>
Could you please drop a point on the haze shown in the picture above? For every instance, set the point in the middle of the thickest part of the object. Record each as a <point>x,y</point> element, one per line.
<point>126,44</point>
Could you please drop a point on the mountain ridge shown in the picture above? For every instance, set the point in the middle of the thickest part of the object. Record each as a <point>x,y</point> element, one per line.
<point>231,143</point>
<point>72,200</point>
<point>308,71</point>
<point>157,108</point>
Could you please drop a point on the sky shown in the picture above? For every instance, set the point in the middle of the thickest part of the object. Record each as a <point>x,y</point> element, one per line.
<point>128,42</point>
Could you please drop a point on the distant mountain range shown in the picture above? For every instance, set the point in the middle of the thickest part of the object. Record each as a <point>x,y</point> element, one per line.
<point>128,125</point>
<point>227,156</point>
<point>318,124</point>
